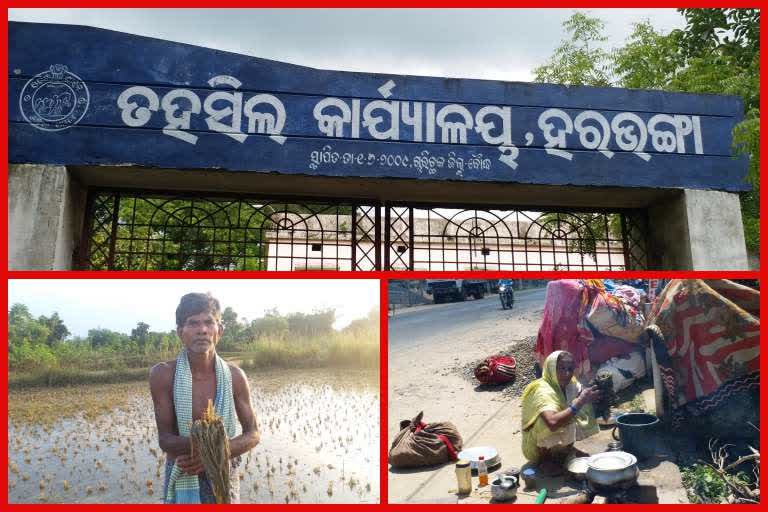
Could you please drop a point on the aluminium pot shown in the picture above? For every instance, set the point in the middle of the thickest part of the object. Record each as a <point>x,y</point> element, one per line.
<point>504,488</point>
<point>613,468</point>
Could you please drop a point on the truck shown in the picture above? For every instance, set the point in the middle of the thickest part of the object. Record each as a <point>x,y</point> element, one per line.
<point>456,290</point>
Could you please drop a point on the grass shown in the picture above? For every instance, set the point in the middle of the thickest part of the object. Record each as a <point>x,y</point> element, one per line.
<point>312,354</point>
<point>59,377</point>
<point>338,352</point>
<point>48,405</point>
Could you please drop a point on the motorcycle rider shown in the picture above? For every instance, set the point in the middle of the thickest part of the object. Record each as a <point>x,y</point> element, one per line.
<point>506,293</point>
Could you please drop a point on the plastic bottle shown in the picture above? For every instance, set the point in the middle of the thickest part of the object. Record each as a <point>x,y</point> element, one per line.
<point>482,472</point>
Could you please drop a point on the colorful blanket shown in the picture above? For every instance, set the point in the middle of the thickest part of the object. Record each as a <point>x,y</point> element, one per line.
<point>710,345</point>
<point>562,324</point>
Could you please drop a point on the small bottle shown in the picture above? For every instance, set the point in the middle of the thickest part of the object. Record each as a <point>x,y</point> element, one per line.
<point>464,477</point>
<point>482,472</point>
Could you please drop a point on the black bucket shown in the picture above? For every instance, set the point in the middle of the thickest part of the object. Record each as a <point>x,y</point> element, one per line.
<point>638,433</point>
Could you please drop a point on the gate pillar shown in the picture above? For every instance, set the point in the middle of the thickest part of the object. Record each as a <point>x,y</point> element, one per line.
<point>698,230</point>
<point>45,213</point>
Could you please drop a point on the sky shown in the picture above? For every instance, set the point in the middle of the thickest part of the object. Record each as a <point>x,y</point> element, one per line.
<point>119,304</point>
<point>495,44</point>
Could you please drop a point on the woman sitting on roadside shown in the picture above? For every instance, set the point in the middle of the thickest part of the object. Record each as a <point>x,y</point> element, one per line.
<point>556,414</point>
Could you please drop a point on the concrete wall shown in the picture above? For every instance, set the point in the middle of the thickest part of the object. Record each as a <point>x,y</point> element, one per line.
<point>698,230</point>
<point>45,214</point>
<point>716,230</point>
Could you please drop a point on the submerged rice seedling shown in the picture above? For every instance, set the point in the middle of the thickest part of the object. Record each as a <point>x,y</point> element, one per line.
<point>210,442</point>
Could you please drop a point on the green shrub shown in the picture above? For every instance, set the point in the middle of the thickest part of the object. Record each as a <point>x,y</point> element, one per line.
<point>703,484</point>
<point>25,356</point>
<point>56,377</point>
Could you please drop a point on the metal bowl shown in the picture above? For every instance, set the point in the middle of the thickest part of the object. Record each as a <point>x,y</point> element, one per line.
<point>577,468</point>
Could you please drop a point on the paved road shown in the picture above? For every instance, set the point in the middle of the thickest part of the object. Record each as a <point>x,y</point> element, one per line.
<point>423,325</point>
<point>427,344</point>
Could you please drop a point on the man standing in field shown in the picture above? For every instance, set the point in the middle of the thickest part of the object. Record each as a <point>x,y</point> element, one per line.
<point>180,392</point>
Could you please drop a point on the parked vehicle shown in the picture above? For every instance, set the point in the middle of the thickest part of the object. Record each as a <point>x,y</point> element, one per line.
<point>506,294</point>
<point>456,290</point>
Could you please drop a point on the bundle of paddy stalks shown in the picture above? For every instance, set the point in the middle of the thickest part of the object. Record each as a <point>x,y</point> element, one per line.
<point>211,444</point>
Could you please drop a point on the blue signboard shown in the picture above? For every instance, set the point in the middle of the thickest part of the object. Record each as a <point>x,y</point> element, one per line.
<point>85,96</point>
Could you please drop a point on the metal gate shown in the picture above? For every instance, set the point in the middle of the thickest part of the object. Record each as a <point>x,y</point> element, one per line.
<point>144,230</point>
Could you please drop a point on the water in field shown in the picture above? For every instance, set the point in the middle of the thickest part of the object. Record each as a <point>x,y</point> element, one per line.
<point>319,443</point>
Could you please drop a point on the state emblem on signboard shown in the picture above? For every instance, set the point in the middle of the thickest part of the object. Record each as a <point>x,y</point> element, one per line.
<point>55,99</point>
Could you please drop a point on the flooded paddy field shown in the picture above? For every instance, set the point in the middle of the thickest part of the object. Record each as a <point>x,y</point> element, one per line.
<point>98,444</point>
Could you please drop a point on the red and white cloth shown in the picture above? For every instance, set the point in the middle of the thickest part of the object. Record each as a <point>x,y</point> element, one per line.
<point>711,335</point>
<point>496,370</point>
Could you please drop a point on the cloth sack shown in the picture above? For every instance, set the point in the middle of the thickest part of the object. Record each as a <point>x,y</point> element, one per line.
<point>421,444</point>
<point>496,370</point>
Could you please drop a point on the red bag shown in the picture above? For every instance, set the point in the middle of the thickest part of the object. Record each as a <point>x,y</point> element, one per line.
<point>496,370</point>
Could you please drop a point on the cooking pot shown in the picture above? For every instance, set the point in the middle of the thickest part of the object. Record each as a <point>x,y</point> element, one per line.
<point>504,488</point>
<point>608,469</point>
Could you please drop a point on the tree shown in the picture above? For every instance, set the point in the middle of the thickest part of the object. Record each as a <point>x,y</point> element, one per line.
<point>232,329</point>
<point>316,323</point>
<point>649,59</point>
<point>23,328</point>
<point>140,335</point>
<point>717,52</point>
<point>271,326</point>
<point>105,338</point>
<point>363,327</point>
<point>579,60</point>
<point>18,314</point>
<point>58,331</point>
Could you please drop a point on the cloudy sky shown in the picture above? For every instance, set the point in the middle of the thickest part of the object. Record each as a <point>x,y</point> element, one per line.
<point>119,304</point>
<point>498,44</point>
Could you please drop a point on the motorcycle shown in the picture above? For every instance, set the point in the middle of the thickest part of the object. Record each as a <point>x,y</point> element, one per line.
<point>506,295</point>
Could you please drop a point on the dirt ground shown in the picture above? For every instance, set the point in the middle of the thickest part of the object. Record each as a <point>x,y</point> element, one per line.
<point>425,375</point>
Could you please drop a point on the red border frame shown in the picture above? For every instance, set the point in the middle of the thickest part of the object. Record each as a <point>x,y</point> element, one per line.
<point>382,276</point>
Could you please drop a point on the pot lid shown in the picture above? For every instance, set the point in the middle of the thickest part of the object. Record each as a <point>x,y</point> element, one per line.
<point>611,461</point>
